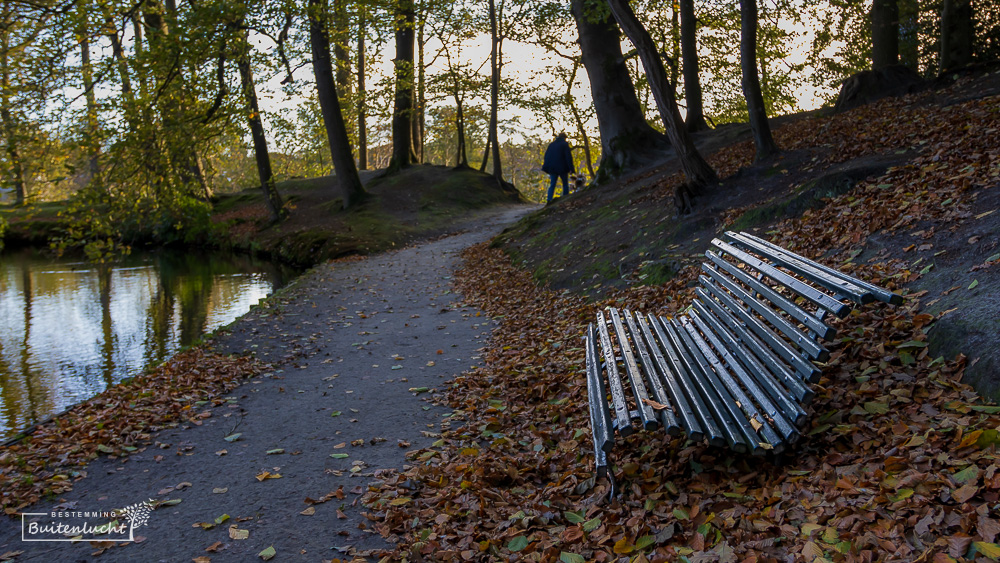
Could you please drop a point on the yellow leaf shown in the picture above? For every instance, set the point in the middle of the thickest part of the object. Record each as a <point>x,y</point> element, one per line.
<point>624,547</point>
<point>400,501</point>
<point>970,439</point>
<point>990,550</point>
<point>808,529</point>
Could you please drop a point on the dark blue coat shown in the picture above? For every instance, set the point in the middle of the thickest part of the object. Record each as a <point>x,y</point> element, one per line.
<point>558,158</point>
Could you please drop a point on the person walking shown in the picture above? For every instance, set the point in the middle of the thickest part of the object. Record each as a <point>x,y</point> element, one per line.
<point>558,164</point>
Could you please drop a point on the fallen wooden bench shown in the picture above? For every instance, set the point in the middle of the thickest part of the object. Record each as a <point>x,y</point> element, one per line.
<point>733,369</point>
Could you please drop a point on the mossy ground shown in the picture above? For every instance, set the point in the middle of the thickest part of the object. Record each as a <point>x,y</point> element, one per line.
<point>418,202</point>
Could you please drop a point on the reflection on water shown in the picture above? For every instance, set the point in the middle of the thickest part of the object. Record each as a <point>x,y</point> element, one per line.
<point>68,328</point>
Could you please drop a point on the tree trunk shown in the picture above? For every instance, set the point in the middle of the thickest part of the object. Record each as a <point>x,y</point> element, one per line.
<point>698,172</point>
<point>627,140</point>
<point>751,82</point>
<point>326,89</point>
<point>402,112</point>
<point>135,121</point>
<point>461,158</point>
<point>577,118</point>
<point>909,42</point>
<point>362,126</point>
<point>689,57</point>
<point>885,33</point>
<point>93,127</point>
<point>111,31</point>
<point>342,56</point>
<point>419,97</point>
<point>495,63</point>
<point>957,34</point>
<point>137,31</point>
<point>340,52</point>
<point>261,154</point>
<point>9,127</point>
<point>675,46</point>
<point>173,88</point>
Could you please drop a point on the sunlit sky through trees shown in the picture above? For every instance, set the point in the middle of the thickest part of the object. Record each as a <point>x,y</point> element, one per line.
<point>525,64</point>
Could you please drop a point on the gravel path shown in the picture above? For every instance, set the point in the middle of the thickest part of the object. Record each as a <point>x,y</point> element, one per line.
<point>348,341</point>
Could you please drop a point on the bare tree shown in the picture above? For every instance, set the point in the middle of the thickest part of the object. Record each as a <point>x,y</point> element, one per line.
<point>762,138</point>
<point>336,132</point>
<point>697,171</point>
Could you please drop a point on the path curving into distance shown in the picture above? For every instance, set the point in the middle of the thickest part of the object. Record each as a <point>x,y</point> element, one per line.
<point>348,340</point>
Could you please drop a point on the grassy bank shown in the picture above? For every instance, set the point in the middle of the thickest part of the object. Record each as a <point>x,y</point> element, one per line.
<point>418,203</point>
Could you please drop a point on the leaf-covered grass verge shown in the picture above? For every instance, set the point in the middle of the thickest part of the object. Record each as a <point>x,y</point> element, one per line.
<point>115,423</point>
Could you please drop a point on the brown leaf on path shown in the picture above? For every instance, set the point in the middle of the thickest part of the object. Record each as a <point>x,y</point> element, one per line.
<point>214,547</point>
<point>308,511</point>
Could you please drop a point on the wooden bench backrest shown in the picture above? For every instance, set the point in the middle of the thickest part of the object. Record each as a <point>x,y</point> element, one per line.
<point>734,367</point>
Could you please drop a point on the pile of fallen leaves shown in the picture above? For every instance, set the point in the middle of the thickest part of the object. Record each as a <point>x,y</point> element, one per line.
<point>115,423</point>
<point>899,461</point>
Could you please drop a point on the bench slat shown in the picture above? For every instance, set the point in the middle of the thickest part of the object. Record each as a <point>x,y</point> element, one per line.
<point>646,414</point>
<point>667,417</point>
<point>717,431</point>
<point>600,415</point>
<point>668,372</point>
<point>623,423</point>
<point>805,290</point>
<point>811,321</point>
<point>796,261</point>
<point>755,357</point>
<point>802,366</point>
<point>674,349</point>
<point>724,343</point>
<point>808,345</point>
<point>733,398</point>
<point>836,284</point>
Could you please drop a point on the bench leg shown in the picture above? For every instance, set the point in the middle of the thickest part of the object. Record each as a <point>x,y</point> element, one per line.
<point>605,471</point>
<point>613,492</point>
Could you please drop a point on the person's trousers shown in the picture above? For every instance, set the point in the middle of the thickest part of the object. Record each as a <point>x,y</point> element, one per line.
<point>552,185</point>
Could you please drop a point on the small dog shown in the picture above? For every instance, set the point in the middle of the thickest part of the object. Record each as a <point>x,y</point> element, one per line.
<point>579,181</point>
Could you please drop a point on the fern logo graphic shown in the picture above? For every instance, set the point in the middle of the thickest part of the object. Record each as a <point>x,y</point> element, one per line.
<point>137,515</point>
